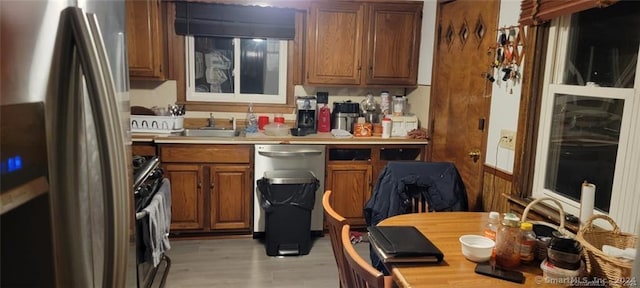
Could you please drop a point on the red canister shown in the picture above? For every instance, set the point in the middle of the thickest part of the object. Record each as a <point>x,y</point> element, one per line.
<point>278,118</point>
<point>324,119</point>
<point>262,120</point>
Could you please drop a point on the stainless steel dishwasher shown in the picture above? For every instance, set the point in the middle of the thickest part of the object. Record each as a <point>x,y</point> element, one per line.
<point>288,157</point>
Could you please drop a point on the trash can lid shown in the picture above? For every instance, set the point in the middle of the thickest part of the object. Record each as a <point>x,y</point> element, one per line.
<point>289,177</point>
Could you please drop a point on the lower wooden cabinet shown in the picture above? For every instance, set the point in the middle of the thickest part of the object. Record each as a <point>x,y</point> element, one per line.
<point>187,204</point>
<point>352,171</point>
<point>230,205</point>
<point>213,191</point>
<point>351,188</point>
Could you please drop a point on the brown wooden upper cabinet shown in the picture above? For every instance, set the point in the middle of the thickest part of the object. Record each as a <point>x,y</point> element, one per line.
<point>145,39</point>
<point>356,43</point>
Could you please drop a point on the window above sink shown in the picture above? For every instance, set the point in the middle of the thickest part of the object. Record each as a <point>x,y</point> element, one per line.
<point>193,29</point>
<point>238,70</point>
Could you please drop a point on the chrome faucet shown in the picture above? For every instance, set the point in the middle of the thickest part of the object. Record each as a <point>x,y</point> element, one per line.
<point>233,123</point>
<point>212,121</point>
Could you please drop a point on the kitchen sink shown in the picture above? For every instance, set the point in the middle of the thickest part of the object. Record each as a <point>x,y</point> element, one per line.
<point>211,132</point>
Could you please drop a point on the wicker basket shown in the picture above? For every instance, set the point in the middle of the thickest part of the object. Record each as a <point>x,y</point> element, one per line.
<point>599,264</point>
<point>541,245</point>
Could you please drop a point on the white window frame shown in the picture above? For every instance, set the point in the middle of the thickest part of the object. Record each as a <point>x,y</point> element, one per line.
<point>236,97</point>
<point>624,195</point>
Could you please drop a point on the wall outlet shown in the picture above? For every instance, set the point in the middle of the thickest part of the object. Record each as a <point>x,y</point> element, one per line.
<point>508,139</point>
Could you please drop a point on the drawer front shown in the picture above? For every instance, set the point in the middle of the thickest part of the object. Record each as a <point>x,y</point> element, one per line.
<point>143,150</point>
<point>206,154</point>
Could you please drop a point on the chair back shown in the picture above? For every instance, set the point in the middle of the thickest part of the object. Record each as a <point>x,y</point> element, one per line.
<point>362,273</point>
<point>418,198</point>
<point>336,222</point>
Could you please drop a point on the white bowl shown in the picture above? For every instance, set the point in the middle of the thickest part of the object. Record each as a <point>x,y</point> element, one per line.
<point>477,248</point>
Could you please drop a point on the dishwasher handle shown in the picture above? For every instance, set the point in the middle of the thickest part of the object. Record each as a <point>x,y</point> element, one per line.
<point>290,154</point>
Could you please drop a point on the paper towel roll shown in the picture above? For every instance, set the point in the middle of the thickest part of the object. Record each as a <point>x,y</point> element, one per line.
<point>587,199</point>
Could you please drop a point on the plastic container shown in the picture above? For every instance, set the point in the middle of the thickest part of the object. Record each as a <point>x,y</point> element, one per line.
<point>527,243</point>
<point>399,105</point>
<point>476,248</point>
<point>276,129</point>
<point>508,242</point>
<point>564,251</point>
<point>555,275</point>
<point>492,226</point>
<point>386,128</point>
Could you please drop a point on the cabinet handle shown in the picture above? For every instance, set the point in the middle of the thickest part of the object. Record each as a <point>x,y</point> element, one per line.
<point>199,185</point>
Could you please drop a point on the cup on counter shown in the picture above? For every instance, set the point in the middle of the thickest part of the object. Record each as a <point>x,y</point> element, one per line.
<point>278,118</point>
<point>262,121</point>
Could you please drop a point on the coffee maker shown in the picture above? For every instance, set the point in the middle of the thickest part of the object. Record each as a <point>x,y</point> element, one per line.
<point>307,114</point>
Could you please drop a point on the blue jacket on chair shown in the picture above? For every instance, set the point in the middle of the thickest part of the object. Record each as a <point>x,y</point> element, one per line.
<point>440,181</point>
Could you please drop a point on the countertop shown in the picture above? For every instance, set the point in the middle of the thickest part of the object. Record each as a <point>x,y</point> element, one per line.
<point>261,138</point>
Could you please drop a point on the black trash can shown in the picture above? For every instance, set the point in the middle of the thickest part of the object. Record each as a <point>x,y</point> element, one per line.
<point>288,196</point>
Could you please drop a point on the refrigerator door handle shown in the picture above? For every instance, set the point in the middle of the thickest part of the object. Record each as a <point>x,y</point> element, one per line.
<point>113,150</point>
<point>79,48</point>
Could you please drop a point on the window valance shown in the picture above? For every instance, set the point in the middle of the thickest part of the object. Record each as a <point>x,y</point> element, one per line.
<point>206,19</point>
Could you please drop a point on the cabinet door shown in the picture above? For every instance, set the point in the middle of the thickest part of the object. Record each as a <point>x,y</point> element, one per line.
<point>231,194</point>
<point>351,188</point>
<point>186,196</point>
<point>145,39</point>
<point>393,43</point>
<point>334,43</point>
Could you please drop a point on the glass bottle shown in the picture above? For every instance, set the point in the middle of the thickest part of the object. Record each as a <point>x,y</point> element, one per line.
<point>527,243</point>
<point>508,242</point>
<point>492,226</point>
<point>252,120</point>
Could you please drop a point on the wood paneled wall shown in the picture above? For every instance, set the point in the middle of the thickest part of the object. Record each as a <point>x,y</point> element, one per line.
<point>495,184</point>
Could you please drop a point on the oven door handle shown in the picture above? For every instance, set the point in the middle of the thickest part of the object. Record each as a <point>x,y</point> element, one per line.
<point>289,154</point>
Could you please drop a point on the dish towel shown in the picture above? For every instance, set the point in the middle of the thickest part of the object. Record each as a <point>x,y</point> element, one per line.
<point>156,236</point>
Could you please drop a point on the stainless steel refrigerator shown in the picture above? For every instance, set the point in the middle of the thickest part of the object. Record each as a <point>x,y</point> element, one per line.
<point>65,145</point>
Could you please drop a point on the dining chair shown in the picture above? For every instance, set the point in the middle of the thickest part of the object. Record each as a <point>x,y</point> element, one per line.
<point>363,275</point>
<point>336,222</point>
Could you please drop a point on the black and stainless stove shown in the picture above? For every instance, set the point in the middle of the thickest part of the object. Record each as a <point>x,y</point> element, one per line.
<point>147,180</point>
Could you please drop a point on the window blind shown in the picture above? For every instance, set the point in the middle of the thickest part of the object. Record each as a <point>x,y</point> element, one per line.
<point>534,12</point>
<point>222,20</point>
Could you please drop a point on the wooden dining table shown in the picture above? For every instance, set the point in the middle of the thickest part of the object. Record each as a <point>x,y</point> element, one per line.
<point>444,230</point>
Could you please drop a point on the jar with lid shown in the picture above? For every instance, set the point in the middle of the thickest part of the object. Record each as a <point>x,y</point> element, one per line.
<point>508,242</point>
<point>492,226</point>
<point>385,104</point>
<point>527,243</point>
<point>370,109</point>
<point>399,105</point>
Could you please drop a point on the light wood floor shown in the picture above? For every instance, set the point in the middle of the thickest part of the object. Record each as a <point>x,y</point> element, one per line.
<point>243,262</point>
